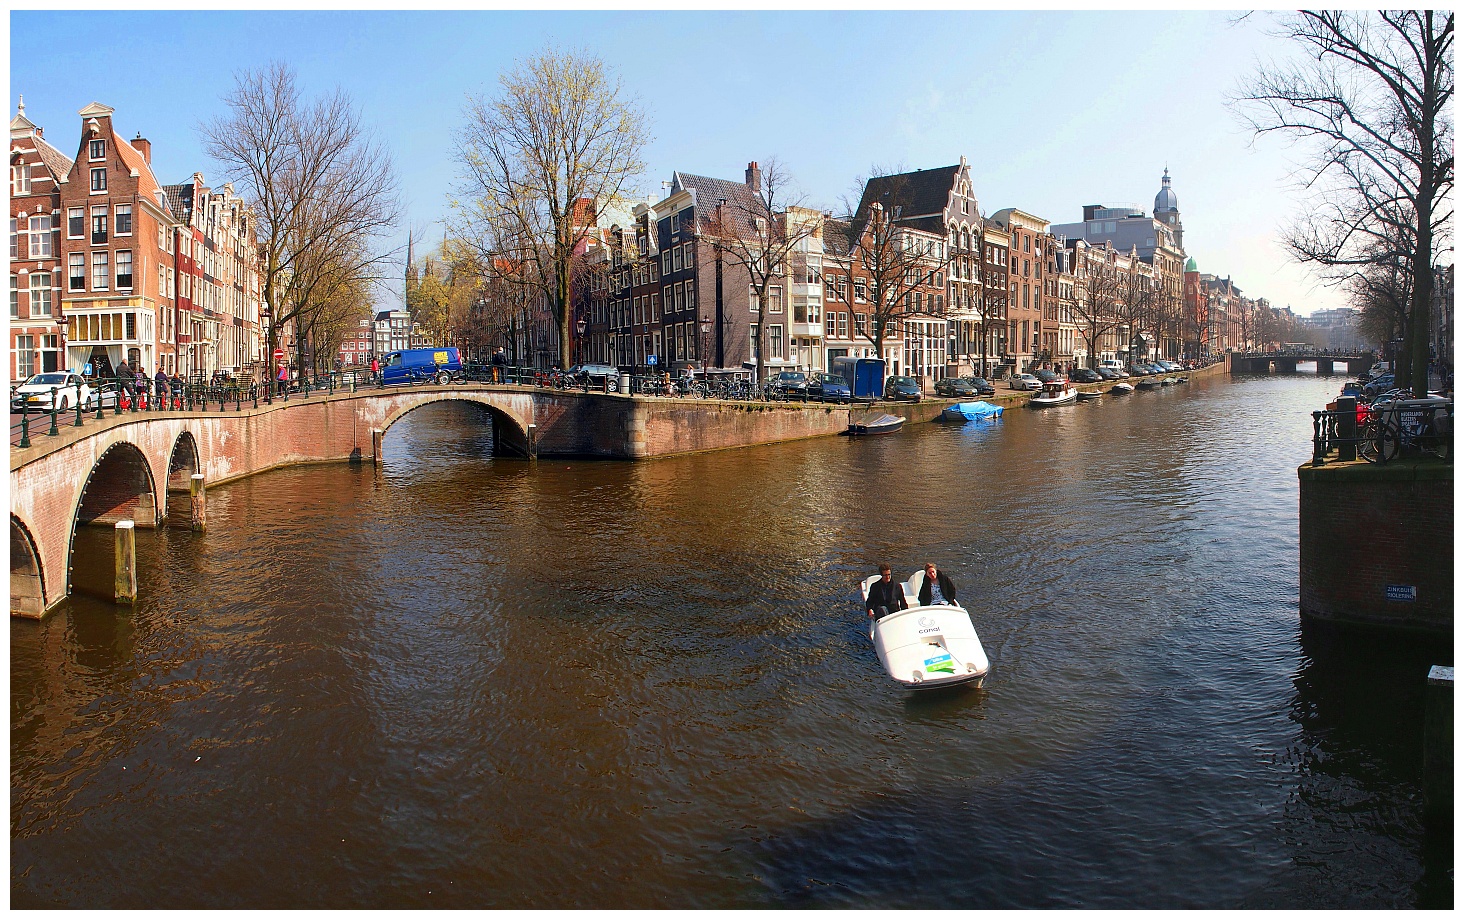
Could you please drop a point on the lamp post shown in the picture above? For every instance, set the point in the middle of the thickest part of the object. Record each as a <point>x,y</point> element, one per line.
<point>580,326</point>
<point>705,324</point>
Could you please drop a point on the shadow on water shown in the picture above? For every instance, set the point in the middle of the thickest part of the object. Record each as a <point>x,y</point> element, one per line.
<point>1354,765</point>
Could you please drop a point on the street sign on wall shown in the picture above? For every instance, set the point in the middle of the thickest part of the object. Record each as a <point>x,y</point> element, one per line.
<point>1402,593</point>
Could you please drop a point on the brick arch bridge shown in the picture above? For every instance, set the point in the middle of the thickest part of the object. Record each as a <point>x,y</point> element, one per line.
<point>130,466</point>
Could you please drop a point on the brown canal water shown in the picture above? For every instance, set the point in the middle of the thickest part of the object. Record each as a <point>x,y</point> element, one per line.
<point>462,681</point>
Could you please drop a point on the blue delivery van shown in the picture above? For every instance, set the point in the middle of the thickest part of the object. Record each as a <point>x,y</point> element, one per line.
<point>419,365</point>
<point>865,376</point>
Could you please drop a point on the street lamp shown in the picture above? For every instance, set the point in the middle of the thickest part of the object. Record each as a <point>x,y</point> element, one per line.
<point>706,338</point>
<point>581,327</point>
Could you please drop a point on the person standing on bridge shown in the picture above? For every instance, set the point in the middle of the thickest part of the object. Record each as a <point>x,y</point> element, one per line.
<point>125,380</point>
<point>375,369</point>
<point>500,365</point>
<point>160,381</point>
<point>284,378</point>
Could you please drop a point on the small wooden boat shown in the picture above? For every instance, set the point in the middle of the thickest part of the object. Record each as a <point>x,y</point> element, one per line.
<point>925,648</point>
<point>1149,384</point>
<point>967,411</point>
<point>880,424</point>
<point>1089,395</point>
<point>1054,393</point>
<point>1122,389</point>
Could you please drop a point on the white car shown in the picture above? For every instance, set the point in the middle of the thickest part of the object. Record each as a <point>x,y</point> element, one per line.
<point>35,394</point>
<point>1024,382</point>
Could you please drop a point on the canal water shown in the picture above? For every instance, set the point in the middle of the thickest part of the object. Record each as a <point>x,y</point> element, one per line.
<point>462,681</point>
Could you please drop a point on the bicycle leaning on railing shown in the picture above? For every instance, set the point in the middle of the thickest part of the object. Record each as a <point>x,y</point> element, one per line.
<point>1386,430</point>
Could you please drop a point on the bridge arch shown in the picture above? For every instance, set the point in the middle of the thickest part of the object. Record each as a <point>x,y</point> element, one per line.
<point>120,487</point>
<point>27,586</point>
<point>510,434</point>
<point>183,462</point>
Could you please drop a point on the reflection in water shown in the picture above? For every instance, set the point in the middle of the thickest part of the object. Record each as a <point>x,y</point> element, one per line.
<point>467,680</point>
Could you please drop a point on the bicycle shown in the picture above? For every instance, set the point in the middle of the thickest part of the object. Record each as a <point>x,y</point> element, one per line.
<point>1407,425</point>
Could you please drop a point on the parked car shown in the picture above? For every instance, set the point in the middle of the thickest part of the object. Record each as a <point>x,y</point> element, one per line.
<point>1024,382</point>
<point>1378,385</point>
<point>900,387</point>
<point>829,388</point>
<point>1140,370</point>
<point>597,373</point>
<point>1085,375</point>
<point>983,386</point>
<point>954,386</point>
<point>1108,373</point>
<point>1169,366</point>
<point>35,394</point>
<point>789,384</point>
<point>1046,376</point>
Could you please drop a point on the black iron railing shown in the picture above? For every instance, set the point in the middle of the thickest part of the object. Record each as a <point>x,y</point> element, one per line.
<point>1384,430</point>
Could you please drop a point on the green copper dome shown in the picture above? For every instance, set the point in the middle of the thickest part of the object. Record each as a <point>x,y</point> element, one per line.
<point>1190,266</point>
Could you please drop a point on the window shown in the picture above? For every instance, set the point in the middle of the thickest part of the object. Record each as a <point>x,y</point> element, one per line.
<point>99,225</point>
<point>20,179</point>
<point>860,320</point>
<point>775,343</point>
<point>860,291</point>
<point>99,179</point>
<point>15,298</point>
<point>40,294</point>
<point>687,259</point>
<point>676,259</point>
<point>124,220</point>
<point>691,295</point>
<point>752,299</point>
<point>665,261</point>
<point>680,302</point>
<point>124,269</point>
<point>25,352</point>
<point>163,285</point>
<point>775,300</point>
<point>96,150</point>
<point>830,324</point>
<point>99,271</point>
<point>14,239</point>
<point>753,340</point>
<point>75,223</point>
<point>77,272</point>
<point>40,237</point>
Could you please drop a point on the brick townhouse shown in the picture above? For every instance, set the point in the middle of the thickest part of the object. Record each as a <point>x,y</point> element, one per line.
<point>118,244</point>
<point>37,173</point>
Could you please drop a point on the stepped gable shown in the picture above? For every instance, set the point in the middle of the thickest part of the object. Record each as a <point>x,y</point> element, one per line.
<point>921,197</point>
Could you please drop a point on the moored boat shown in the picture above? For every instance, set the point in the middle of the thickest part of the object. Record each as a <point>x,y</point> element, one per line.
<point>1088,395</point>
<point>1149,383</point>
<point>925,648</point>
<point>1122,389</point>
<point>880,424</point>
<point>1054,393</point>
<point>967,411</point>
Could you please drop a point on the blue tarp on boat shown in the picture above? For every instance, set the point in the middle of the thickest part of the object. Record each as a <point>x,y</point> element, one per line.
<point>966,411</point>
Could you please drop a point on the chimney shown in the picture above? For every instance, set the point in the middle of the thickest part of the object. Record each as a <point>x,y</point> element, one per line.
<point>754,177</point>
<point>144,147</point>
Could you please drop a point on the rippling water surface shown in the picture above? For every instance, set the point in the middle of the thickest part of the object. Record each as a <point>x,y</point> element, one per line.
<point>465,681</point>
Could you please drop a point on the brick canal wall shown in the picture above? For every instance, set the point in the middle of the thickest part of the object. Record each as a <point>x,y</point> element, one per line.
<point>1377,544</point>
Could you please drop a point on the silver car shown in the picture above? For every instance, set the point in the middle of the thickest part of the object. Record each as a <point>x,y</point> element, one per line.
<point>1024,382</point>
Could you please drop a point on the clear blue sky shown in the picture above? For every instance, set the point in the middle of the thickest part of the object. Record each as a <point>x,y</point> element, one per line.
<point>1054,110</point>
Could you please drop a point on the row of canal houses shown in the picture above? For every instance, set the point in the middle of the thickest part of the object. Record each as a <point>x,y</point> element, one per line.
<point>994,294</point>
<point>106,263</point>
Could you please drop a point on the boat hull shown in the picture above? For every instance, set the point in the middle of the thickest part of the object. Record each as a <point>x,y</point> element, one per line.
<point>884,424</point>
<point>1047,402</point>
<point>1122,389</point>
<point>927,648</point>
<point>967,411</point>
<point>1087,397</point>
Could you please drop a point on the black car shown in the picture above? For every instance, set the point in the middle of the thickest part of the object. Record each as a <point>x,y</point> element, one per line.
<point>983,386</point>
<point>1085,375</point>
<point>1108,373</point>
<point>1046,376</point>
<point>789,385</point>
<point>954,386</point>
<point>829,388</point>
<point>902,388</point>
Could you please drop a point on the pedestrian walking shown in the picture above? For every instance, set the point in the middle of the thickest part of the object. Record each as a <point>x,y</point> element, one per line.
<point>375,370</point>
<point>283,379</point>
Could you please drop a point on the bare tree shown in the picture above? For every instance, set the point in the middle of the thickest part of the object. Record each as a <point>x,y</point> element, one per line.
<point>759,230</point>
<point>315,178</point>
<point>1373,95</point>
<point>898,265</point>
<point>561,131</point>
<point>1096,297</point>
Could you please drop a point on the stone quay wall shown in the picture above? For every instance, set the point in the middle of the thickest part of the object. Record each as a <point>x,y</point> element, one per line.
<point>1377,544</point>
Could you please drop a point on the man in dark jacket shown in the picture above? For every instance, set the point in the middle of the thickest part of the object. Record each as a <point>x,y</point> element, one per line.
<point>885,596</point>
<point>126,379</point>
<point>944,589</point>
<point>500,365</point>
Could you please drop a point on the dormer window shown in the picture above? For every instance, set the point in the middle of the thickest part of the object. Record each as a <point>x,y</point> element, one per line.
<point>96,150</point>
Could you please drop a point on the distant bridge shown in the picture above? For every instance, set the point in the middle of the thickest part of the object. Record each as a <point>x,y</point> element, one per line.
<point>131,466</point>
<point>1285,363</point>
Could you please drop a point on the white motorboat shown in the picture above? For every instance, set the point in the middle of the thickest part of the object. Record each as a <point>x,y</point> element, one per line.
<point>925,648</point>
<point>1054,393</point>
<point>1122,389</point>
